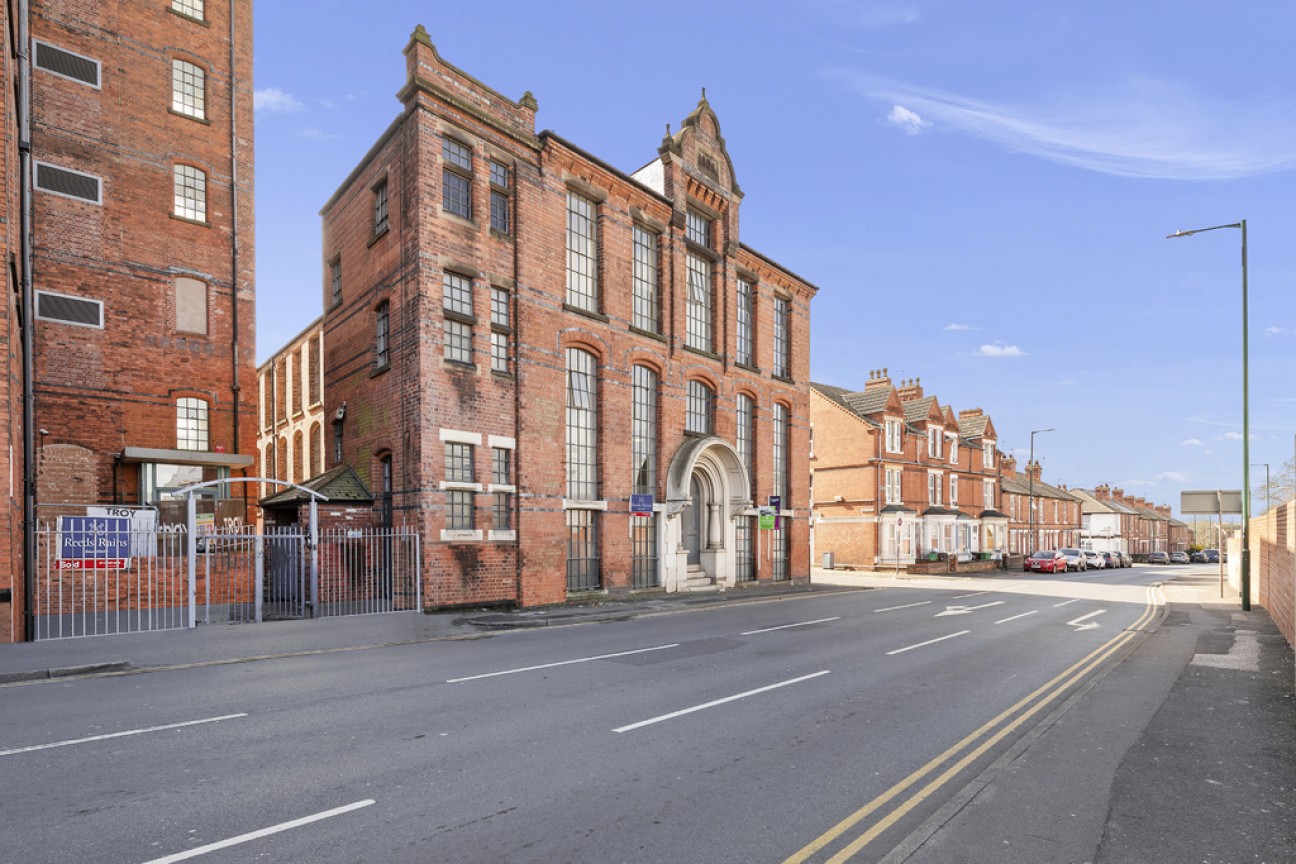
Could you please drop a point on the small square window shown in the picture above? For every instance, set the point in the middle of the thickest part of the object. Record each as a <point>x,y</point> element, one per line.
<point>698,229</point>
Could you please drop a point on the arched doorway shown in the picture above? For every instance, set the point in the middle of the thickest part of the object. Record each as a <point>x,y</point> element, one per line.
<point>707,490</point>
<point>695,517</point>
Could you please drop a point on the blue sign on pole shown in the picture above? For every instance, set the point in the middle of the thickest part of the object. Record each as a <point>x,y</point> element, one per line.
<point>641,504</point>
<point>102,542</point>
<point>776,504</point>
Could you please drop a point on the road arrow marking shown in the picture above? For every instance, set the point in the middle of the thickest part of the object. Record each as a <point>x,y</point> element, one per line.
<point>964,610</point>
<point>1076,623</point>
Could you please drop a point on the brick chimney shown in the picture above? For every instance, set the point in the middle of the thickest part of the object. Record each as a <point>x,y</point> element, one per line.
<point>1033,471</point>
<point>1102,492</point>
<point>878,379</point>
<point>970,412</point>
<point>1118,495</point>
<point>1007,466</point>
<point>911,389</point>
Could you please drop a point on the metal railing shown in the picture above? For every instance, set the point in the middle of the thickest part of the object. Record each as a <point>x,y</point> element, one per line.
<point>106,575</point>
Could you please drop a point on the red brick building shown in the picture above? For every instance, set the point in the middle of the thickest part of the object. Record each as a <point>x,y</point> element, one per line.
<point>518,337</point>
<point>897,477</point>
<point>13,442</point>
<point>1058,515</point>
<point>143,373</point>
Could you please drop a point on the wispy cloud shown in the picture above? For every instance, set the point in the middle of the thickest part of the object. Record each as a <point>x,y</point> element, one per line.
<point>902,118</point>
<point>1172,477</point>
<point>1277,331</point>
<point>1193,442</point>
<point>1137,128</point>
<point>958,327</point>
<point>275,101</point>
<point>999,349</point>
<point>313,134</point>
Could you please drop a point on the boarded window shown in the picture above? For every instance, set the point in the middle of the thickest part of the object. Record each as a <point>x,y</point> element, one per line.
<point>191,305</point>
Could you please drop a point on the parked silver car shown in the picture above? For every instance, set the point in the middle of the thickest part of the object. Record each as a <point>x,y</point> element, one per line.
<point>1075,559</point>
<point>1095,560</point>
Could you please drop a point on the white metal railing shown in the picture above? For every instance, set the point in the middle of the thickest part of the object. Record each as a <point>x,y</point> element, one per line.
<point>105,575</point>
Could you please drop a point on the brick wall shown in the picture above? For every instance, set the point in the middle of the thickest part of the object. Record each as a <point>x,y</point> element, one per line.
<point>1273,539</point>
<point>11,389</point>
<point>105,389</point>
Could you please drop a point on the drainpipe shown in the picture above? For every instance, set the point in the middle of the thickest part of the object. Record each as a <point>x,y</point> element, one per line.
<point>516,321</point>
<point>25,242</point>
<point>235,387</point>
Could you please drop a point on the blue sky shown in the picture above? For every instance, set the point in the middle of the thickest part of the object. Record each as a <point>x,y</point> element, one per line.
<point>981,191</point>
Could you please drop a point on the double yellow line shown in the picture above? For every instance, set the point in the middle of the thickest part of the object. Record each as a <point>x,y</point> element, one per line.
<point>1005,723</point>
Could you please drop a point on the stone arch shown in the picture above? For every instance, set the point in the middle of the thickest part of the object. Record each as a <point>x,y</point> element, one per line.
<point>701,544</point>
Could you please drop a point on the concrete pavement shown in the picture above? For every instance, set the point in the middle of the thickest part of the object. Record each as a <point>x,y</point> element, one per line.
<point>1185,751</point>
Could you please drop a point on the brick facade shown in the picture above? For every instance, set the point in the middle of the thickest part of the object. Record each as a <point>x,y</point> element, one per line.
<point>11,336</point>
<point>140,302</point>
<point>897,477</point>
<point>175,319</point>
<point>1058,515</point>
<point>451,319</point>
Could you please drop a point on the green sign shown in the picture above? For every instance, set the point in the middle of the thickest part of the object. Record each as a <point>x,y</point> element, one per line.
<point>766,518</point>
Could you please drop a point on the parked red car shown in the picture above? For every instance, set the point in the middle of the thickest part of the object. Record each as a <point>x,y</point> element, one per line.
<point>1047,561</point>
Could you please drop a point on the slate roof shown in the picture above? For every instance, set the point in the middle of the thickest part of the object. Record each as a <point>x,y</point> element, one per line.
<point>916,410</point>
<point>340,484</point>
<point>1023,486</point>
<point>861,403</point>
<point>973,427</point>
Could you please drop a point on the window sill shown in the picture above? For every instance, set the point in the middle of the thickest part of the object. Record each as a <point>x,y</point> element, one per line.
<point>782,378</point>
<point>379,235</point>
<point>650,334</point>
<point>187,220</point>
<point>747,367</point>
<point>378,370</point>
<point>702,352</point>
<point>502,536</point>
<point>458,365</point>
<point>460,536</point>
<point>465,221</point>
<point>502,376</point>
<point>501,235</point>
<point>190,18</point>
<point>597,316</point>
<point>202,120</point>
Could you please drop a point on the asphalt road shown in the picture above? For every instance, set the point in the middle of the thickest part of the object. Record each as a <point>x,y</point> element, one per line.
<point>811,729</point>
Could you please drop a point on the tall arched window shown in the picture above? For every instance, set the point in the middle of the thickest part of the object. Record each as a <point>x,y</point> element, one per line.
<point>643,429</point>
<point>582,425</point>
<point>582,470</point>
<point>317,449</point>
<point>780,436</point>
<point>746,437</point>
<point>700,408</point>
<point>298,462</point>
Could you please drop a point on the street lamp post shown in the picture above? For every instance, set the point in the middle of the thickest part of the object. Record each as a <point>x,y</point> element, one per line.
<point>1246,415</point>
<point>1030,498</point>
